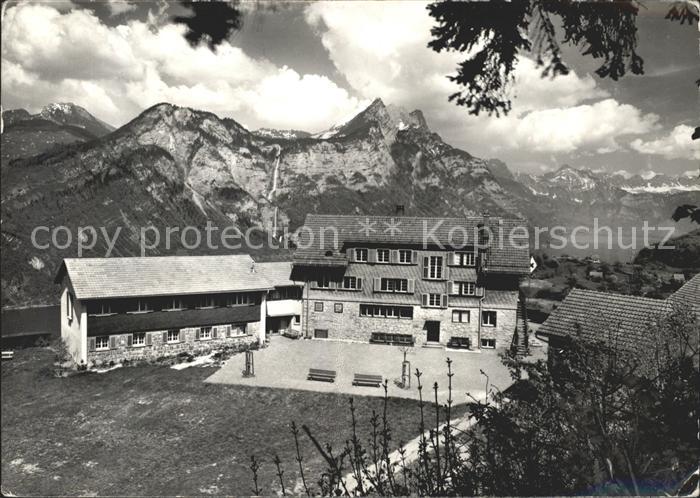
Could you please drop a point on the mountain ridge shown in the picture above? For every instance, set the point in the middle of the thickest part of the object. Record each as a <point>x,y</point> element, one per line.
<point>177,166</point>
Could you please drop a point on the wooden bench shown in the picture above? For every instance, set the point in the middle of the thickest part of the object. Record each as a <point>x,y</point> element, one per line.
<point>8,355</point>
<point>393,339</point>
<point>367,380</point>
<point>459,343</point>
<point>322,375</point>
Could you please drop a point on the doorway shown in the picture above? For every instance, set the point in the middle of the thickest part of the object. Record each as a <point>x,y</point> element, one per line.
<point>432,329</point>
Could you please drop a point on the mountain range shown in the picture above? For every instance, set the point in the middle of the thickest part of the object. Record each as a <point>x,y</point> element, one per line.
<point>175,166</point>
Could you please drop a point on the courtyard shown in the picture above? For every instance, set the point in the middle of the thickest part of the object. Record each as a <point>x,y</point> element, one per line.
<point>285,363</point>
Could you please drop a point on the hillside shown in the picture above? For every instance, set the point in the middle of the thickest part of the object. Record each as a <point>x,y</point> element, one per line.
<point>686,253</point>
<point>56,125</point>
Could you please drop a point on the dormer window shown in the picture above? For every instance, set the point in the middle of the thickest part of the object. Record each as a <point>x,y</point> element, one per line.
<point>323,282</point>
<point>361,255</point>
<point>383,256</point>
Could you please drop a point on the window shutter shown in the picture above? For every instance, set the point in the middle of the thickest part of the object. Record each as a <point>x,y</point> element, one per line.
<point>228,331</point>
<point>130,340</point>
<point>445,300</point>
<point>445,269</point>
<point>411,286</point>
<point>112,342</point>
<point>455,259</point>
<point>377,284</point>
<point>182,335</point>
<point>91,344</point>
<point>479,291</point>
<point>214,330</point>
<point>359,283</point>
<point>149,341</point>
<point>371,255</point>
<point>424,299</point>
<point>165,337</point>
<point>196,334</point>
<point>414,257</point>
<point>449,286</point>
<point>426,266</point>
<point>351,254</point>
<point>394,256</point>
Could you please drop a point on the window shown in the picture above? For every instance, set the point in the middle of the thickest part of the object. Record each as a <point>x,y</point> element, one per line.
<point>432,267</point>
<point>464,288</point>
<point>434,300</point>
<point>464,259</point>
<point>102,342</point>
<point>101,309</point>
<point>204,333</point>
<point>69,306</point>
<point>285,293</point>
<point>488,318</point>
<point>352,283</point>
<point>368,310</point>
<point>460,316</point>
<point>361,255</point>
<point>239,300</point>
<point>173,336</point>
<point>488,343</point>
<point>237,329</point>
<point>394,285</point>
<point>320,333</point>
<point>383,256</point>
<point>318,306</point>
<point>323,282</point>
<point>206,302</point>
<point>174,304</point>
<point>142,306</point>
<point>138,339</point>
<point>338,307</point>
<point>297,319</point>
<point>405,257</point>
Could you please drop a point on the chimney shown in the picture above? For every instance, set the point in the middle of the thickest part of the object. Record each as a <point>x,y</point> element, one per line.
<point>399,211</point>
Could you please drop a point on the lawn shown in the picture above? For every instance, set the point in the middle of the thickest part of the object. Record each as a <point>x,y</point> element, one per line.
<point>157,431</point>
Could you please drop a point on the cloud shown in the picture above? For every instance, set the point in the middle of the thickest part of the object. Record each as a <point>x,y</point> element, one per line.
<point>117,71</point>
<point>678,144</point>
<point>381,57</point>
<point>119,7</point>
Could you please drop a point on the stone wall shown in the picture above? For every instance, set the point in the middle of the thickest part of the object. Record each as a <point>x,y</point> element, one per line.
<point>350,326</point>
<point>158,348</point>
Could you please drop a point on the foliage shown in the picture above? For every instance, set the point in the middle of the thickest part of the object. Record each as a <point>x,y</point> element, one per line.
<point>212,22</point>
<point>687,211</point>
<point>494,34</point>
<point>596,418</point>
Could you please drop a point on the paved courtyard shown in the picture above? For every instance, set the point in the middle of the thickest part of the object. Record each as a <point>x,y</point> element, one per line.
<point>286,362</point>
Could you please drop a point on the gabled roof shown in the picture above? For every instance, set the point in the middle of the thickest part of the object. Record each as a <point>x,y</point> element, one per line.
<point>617,319</point>
<point>277,273</point>
<point>98,278</point>
<point>689,294</point>
<point>323,239</point>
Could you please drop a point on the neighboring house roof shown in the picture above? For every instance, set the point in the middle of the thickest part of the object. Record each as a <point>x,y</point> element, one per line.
<point>689,294</point>
<point>601,316</point>
<point>323,239</point>
<point>278,273</point>
<point>36,320</point>
<point>98,278</point>
<point>501,299</point>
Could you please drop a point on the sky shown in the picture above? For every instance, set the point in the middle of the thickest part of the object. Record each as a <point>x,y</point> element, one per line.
<point>308,66</point>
